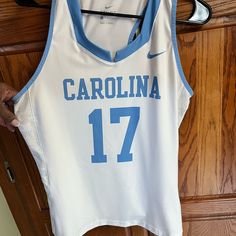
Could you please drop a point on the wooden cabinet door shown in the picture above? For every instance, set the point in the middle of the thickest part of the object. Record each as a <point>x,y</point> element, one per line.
<point>207,153</point>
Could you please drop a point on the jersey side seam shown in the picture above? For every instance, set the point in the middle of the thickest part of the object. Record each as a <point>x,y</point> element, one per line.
<point>180,91</point>
<point>175,48</point>
<point>39,142</point>
<point>47,183</point>
<point>26,87</point>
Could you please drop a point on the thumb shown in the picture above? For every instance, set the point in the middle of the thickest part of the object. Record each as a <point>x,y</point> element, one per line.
<point>7,116</point>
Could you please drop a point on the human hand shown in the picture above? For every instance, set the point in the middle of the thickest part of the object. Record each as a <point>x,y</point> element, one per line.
<point>7,118</point>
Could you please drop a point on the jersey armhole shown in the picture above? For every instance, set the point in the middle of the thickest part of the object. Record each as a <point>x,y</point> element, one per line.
<point>17,97</point>
<point>175,48</point>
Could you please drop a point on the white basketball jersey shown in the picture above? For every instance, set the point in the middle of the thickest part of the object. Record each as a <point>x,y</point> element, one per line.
<point>101,115</point>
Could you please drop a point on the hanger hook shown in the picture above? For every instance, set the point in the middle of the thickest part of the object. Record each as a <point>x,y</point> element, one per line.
<point>202,13</point>
<point>31,3</point>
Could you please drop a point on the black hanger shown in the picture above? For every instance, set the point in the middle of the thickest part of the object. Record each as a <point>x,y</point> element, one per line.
<point>31,3</point>
<point>201,13</point>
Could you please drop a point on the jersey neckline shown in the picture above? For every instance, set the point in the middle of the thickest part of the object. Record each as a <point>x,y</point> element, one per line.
<point>144,36</point>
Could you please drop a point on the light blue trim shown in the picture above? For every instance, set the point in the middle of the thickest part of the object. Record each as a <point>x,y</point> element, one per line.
<point>175,45</point>
<point>44,56</point>
<point>142,38</point>
<point>133,31</point>
<point>135,27</point>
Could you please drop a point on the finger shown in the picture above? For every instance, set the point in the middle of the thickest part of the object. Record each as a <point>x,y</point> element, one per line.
<point>10,127</point>
<point>2,122</point>
<point>10,103</point>
<point>8,116</point>
<point>6,92</point>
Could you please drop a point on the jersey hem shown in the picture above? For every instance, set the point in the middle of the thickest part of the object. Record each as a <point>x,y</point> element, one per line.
<point>145,225</point>
<point>175,47</point>
<point>17,97</point>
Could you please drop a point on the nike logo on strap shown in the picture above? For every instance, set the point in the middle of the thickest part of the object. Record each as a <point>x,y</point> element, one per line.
<point>150,56</point>
<point>107,7</point>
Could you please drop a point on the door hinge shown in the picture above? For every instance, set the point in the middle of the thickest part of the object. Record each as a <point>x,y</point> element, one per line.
<point>9,172</point>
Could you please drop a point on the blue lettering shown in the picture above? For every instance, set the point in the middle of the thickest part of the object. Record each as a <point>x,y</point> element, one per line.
<point>119,92</point>
<point>112,86</point>
<point>65,84</point>
<point>96,89</point>
<point>155,89</point>
<point>142,85</point>
<point>131,91</point>
<point>82,91</point>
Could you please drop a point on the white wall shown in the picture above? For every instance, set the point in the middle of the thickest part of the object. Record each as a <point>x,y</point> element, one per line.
<point>7,223</point>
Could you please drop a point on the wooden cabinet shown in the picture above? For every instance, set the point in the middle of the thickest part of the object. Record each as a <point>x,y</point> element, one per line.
<point>207,153</point>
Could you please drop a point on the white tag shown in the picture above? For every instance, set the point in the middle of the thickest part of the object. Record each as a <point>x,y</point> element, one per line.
<point>107,19</point>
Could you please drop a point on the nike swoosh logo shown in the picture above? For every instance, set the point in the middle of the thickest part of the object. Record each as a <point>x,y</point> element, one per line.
<point>107,7</point>
<point>150,56</point>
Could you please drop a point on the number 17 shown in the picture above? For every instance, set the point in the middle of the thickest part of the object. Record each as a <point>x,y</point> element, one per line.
<point>95,118</point>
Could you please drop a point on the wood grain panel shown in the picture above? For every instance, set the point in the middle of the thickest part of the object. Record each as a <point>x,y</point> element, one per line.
<point>22,24</point>
<point>22,48</point>
<point>228,142</point>
<point>209,207</point>
<point>188,128</point>
<point>210,81</point>
<point>210,228</point>
<point>17,69</point>
<point>138,231</point>
<point>212,66</point>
